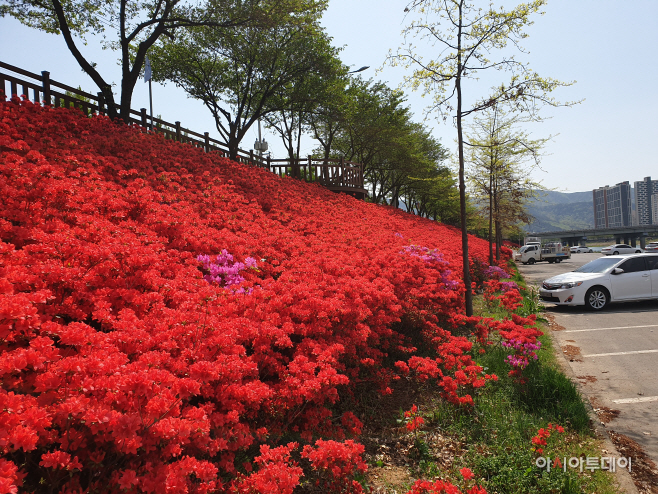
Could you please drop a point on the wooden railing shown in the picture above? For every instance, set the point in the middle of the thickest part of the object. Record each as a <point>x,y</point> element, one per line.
<point>335,174</point>
<point>332,173</point>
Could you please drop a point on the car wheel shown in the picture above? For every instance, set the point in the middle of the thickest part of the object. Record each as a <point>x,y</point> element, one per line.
<point>531,261</point>
<point>578,252</point>
<point>638,252</point>
<point>616,253</point>
<point>590,251</point>
<point>551,261</point>
<point>558,260</point>
<point>596,298</point>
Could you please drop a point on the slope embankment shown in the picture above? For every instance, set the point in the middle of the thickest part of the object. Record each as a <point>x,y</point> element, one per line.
<point>169,318</point>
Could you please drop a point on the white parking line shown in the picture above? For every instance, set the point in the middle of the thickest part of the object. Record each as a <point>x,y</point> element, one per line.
<point>644,399</point>
<point>619,353</point>
<point>605,329</point>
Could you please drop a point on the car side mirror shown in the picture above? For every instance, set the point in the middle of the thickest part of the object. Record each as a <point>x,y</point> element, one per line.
<point>617,271</point>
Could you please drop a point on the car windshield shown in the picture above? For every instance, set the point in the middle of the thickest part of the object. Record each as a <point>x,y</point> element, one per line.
<point>600,265</point>
<point>523,249</point>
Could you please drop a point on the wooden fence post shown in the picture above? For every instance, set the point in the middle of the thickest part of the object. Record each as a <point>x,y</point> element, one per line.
<point>178,135</point>
<point>45,78</point>
<point>101,103</point>
<point>342,171</point>
<point>269,162</point>
<point>206,140</point>
<point>142,112</point>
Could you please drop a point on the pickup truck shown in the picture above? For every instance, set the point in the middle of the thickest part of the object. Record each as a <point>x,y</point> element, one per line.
<point>552,252</point>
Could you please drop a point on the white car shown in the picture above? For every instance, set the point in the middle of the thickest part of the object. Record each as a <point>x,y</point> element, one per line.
<point>651,247</point>
<point>577,249</point>
<point>604,280</point>
<point>620,249</point>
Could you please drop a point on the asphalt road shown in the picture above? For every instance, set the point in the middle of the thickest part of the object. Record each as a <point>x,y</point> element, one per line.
<point>613,354</point>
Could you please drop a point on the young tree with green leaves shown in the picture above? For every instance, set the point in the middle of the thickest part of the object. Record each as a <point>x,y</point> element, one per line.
<point>465,35</point>
<point>331,115</point>
<point>371,131</point>
<point>132,27</point>
<point>502,158</point>
<point>430,190</point>
<point>247,74</point>
<point>368,122</point>
<point>312,93</point>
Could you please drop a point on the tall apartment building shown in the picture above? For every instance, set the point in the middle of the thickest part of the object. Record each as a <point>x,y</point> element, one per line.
<point>612,206</point>
<point>644,191</point>
<point>654,206</point>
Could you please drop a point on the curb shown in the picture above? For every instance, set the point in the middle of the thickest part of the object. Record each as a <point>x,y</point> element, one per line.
<point>622,476</point>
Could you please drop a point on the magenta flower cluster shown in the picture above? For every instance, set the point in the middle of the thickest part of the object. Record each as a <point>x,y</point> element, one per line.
<point>225,271</point>
<point>507,286</point>
<point>524,352</point>
<point>427,255</point>
<point>495,272</point>
<point>432,256</point>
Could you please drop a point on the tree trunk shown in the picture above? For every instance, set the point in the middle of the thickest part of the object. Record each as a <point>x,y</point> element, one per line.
<point>468,294</point>
<point>499,239</point>
<point>127,87</point>
<point>491,263</point>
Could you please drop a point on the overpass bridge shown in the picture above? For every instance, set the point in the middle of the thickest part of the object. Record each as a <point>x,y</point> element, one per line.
<point>622,235</point>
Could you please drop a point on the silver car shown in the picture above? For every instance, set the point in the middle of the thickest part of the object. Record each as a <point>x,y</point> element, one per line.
<point>651,247</point>
<point>604,280</point>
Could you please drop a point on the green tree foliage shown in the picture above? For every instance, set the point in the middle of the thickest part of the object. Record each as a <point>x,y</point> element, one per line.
<point>369,123</point>
<point>431,188</point>
<point>501,159</point>
<point>371,132</point>
<point>246,74</point>
<point>312,93</point>
<point>464,36</point>
<point>132,27</point>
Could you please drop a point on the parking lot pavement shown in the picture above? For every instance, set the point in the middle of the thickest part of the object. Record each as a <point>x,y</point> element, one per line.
<point>612,353</point>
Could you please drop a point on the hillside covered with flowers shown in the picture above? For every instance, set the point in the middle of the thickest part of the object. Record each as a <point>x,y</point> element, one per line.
<point>172,321</point>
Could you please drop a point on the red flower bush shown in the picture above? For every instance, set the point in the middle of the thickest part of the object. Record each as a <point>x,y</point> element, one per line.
<point>445,487</point>
<point>442,487</point>
<point>335,462</point>
<point>127,362</point>
<point>413,419</point>
<point>518,333</point>
<point>540,440</point>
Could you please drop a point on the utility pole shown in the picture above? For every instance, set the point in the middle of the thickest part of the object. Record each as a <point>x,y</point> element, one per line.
<point>260,145</point>
<point>147,77</point>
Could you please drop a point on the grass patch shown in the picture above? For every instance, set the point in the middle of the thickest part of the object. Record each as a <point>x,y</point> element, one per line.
<point>494,438</point>
<point>498,431</point>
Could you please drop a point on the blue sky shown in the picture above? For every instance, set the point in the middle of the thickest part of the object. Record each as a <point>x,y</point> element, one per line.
<point>608,47</point>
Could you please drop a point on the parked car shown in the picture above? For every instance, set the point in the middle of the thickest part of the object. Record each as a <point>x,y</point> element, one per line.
<point>607,279</point>
<point>577,249</point>
<point>617,249</point>
<point>651,247</point>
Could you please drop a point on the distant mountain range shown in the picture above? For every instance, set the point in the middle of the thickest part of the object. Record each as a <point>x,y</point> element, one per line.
<point>561,211</point>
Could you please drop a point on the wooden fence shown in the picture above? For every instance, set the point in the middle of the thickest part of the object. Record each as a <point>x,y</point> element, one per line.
<point>335,174</point>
